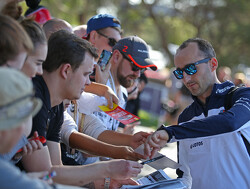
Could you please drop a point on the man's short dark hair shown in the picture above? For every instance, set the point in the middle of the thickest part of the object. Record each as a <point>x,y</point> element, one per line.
<point>204,46</point>
<point>65,47</point>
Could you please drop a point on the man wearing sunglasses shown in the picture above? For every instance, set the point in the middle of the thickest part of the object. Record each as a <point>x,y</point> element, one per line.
<point>103,32</point>
<point>213,140</point>
<point>129,59</point>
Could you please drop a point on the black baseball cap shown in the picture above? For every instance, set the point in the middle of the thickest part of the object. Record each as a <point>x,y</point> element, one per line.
<point>136,49</point>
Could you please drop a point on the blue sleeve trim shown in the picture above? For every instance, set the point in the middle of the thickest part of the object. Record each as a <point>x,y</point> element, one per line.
<point>225,122</point>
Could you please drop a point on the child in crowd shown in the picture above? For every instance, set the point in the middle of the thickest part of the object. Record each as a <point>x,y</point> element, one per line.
<point>35,59</point>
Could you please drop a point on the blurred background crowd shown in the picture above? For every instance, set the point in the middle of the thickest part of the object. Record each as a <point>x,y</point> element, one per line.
<point>164,24</point>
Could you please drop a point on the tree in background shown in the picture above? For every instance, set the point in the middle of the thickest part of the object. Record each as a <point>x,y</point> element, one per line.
<point>160,22</point>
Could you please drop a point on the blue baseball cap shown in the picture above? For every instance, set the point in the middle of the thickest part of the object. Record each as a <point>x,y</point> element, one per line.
<point>101,21</point>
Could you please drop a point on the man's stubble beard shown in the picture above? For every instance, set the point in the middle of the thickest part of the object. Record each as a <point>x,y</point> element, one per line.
<point>124,81</point>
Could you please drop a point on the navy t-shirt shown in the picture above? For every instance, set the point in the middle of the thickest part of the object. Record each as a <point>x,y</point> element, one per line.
<point>49,119</point>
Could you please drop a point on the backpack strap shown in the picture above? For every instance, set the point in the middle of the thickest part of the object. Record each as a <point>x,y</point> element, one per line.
<point>81,122</point>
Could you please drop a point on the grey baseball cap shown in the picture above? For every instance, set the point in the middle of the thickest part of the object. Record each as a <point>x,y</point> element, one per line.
<point>136,49</point>
<point>17,101</point>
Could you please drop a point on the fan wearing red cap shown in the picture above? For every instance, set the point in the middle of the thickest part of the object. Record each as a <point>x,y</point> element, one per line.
<point>39,12</point>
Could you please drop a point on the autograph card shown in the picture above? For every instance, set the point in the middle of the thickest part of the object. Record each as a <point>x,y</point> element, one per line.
<point>119,114</point>
<point>162,161</point>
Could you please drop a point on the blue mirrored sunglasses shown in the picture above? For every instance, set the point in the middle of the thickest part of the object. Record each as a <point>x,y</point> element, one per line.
<point>190,69</point>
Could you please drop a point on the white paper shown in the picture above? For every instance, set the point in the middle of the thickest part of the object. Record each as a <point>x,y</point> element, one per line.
<point>88,103</point>
<point>156,176</point>
<point>161,163</point>
<point>157,179</point>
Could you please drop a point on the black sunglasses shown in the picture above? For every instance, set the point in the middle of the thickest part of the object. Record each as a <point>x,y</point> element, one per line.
<point>111,42</point>
<point>134,67</point>
<point>190,69</point>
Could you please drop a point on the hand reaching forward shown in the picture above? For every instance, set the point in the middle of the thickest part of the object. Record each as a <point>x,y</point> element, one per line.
<point>128,153</point>
<point>123,169</point>
<point>155,142</point>
<point>138,138</point>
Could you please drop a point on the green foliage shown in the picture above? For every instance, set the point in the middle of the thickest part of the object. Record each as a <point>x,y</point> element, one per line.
<point>179,30</point>
<point>148,120</point>
<point>225,23</point>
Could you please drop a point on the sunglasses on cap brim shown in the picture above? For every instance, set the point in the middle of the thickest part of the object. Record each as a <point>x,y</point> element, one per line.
<point>190,69</point>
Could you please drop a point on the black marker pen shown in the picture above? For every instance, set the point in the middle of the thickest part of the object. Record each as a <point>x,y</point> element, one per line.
<point>152,160</point>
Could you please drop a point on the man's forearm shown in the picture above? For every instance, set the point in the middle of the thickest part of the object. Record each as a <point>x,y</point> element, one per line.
<point>80,175</point>
<point>70,175</point>
<point>37,161</point>
<point>96,88</point>
<point>115,138</point>
<point>91,145</point>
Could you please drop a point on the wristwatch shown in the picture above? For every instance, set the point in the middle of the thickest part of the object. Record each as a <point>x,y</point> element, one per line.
<point>106,183</point>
